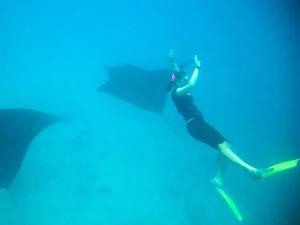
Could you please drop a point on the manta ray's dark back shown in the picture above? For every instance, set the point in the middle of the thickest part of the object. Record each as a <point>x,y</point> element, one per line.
<point>145,89</point>
<point>18,127</point>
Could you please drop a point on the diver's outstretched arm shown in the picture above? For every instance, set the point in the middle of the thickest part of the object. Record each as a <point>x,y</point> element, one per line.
<point>195,74</point>
<point>174,66</point>
<point>192,81</point>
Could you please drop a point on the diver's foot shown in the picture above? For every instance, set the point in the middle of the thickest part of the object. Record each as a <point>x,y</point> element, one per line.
<point>258,173</point>
<point>217,181</point>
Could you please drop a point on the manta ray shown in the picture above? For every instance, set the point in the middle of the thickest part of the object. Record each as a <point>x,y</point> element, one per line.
<point>146,89</point>
<point>18,128</point>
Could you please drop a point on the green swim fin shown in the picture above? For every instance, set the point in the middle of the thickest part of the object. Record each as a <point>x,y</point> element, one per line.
<point>230,203</point>
<point>280,167</point>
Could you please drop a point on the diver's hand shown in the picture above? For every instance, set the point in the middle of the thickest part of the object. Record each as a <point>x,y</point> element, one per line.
<point>197,61</point>
<point>171,54</point>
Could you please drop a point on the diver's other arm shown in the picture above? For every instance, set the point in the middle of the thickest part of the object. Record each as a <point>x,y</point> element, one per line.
<point>192,81</point>
<point>174,66</point>
<point>195,74</point>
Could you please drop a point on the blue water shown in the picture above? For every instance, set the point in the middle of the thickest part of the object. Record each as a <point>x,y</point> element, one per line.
<point>111,163</point>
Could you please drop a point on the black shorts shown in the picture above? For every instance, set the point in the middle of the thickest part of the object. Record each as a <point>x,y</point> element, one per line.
<point>202,131</point>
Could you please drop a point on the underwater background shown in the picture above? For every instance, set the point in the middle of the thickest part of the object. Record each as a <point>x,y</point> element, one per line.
<point>112,163</point>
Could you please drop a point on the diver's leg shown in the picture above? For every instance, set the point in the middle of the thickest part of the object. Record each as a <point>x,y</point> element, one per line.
<point>204,132</point>
<point>226,150</point>
<point>221,164</point>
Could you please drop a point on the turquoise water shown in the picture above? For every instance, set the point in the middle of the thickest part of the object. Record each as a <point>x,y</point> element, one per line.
<point>111,163</point>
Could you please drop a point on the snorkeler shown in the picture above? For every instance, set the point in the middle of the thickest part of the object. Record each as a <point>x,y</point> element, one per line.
<point>180,87</point>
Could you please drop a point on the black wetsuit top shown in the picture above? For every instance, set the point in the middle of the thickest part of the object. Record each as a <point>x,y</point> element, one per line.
<point>185,106</point>
<point>197,128</point>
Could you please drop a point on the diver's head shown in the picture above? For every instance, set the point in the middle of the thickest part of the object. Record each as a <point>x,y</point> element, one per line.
<point>181,78</point>
<point>178,79</point>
